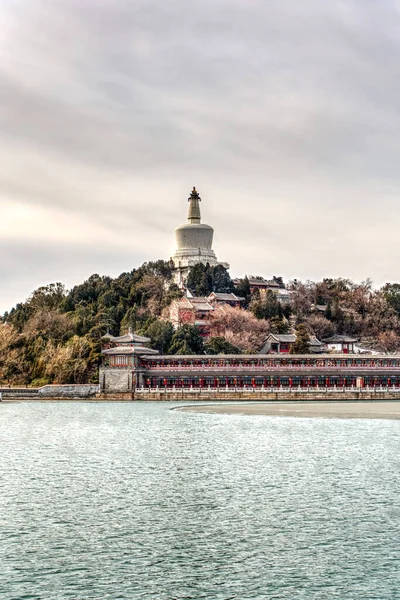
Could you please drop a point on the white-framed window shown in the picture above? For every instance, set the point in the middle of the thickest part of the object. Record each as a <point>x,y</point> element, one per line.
<point>120,360</point>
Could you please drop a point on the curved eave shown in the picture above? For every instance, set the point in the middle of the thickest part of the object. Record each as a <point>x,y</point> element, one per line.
<point>129,351</point>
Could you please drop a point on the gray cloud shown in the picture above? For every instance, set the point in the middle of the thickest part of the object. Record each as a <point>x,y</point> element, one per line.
<point>284,114</point>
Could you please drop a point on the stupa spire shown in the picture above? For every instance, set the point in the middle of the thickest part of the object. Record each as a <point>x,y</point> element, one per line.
<point>194,207</point>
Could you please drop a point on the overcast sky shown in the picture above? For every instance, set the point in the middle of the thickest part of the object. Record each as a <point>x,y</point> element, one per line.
<point>284,113</point>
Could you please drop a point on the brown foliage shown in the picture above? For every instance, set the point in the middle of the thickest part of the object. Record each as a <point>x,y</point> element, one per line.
<point>49,324</point>
<point>68,363</point>
<point>379,317</point>
<point>303,295</point>
<point>320,326</point>
<point>11,357</point>
<point>389,341</point>
<point>238,327</point>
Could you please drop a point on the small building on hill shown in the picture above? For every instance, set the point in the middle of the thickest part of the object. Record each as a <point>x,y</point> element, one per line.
<point>121,350</point>
<point>343,344</point>
<point>282,343</point>
<point>216,298</point>
<point>259,283</point>
<point>263,285</point>
<point>191,311</point>
<point>284,296</point>
<point>128,339</point>
<point>196,310</point>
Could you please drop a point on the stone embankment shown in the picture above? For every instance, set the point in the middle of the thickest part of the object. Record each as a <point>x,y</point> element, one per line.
<point>51,392</point>
<point>250,395</point>
<point>91,392</point>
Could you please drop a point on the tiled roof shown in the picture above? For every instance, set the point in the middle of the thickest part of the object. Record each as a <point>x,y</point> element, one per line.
<point>254,281</point>
<point>125,350</point>
<point>314,341</point>
<point>127,338</point>
<point>225,297</point>
<point>288,338</point>
<point>340,339</point>
<point>198,303</point>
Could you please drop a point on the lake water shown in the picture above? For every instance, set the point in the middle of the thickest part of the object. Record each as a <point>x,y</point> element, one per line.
<point>135,501</point>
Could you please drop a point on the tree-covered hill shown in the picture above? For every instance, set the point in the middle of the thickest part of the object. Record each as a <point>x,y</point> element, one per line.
<point>55,336</point>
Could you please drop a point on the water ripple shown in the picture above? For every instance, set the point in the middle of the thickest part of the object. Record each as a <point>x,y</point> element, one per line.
<point>134,501</point>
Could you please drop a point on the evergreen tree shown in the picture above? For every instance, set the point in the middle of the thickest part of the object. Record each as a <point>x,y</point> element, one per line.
<point>301,345</point>
<point>160,333</point>
<point>267,306</point>
<point>186,340</point>
<point>391,293</point>
<point>221,281</point>
<point>328,312</point>
<point>199,281</point>
<point>219,345</point>
<point>279,281</point>
<point>279,325</point>
<point>203,279</point>
<point>243,290</point>
<point>338,316</point>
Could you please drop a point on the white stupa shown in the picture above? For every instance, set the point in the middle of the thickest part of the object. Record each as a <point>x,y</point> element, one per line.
<point>194,242</point>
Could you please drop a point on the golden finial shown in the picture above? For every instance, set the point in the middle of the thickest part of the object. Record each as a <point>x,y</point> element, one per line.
<point>194,194</point>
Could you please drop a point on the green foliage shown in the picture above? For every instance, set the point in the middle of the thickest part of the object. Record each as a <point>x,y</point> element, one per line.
<point>186,340</point>
<point>243,290</point>
<point>219,345</point>
<point>328,312</point>
<point>160,333</point>
<point>279,281</point>
<point>49,297</point>
<point>279,325</point>
<point>40,382</point>
<point>301,345</point>
<point>135,318</point>
<point>60,332</point>
<point>391,293</point>
<point>221,281</point>
<point>267,306</point>
<point>203,279</point>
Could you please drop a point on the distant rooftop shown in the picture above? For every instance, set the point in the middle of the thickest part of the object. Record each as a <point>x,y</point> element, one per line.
<point>340,339</point>
<point>127,338</point>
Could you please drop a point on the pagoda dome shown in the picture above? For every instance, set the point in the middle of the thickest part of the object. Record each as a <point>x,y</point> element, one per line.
<point>194,234</point>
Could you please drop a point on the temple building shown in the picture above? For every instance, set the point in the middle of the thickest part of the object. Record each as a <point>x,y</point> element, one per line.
<point>341,343</point>
<point>194,242</point>
<point>194,310</point>
<point>282,344</point>
<point>129,365</point>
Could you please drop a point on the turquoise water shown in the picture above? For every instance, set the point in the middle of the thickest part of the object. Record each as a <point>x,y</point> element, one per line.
<point>136,501</point>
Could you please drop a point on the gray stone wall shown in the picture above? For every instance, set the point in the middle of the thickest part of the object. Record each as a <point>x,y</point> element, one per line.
<point>68,391</point>
<point>115,380</point>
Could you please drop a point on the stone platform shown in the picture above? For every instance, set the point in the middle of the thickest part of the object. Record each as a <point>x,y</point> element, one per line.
<point>249,395</point>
